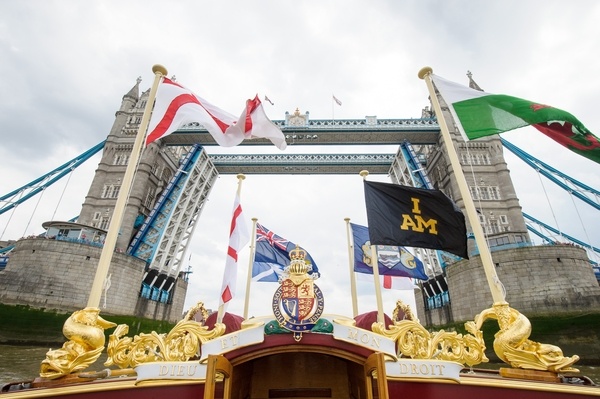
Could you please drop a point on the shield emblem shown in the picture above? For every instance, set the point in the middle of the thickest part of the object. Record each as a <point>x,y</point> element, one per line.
<point>389,256</point>
<point>298,300</point>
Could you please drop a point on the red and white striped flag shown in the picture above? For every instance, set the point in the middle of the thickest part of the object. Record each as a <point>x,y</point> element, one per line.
<point>176,106</point>
<point>239,236</point>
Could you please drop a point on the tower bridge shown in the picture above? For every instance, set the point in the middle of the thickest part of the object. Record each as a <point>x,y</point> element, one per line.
<point>299,130</point>
<point>176,174</point>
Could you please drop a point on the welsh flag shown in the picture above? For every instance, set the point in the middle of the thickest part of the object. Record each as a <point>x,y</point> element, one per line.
<point>479,114</point>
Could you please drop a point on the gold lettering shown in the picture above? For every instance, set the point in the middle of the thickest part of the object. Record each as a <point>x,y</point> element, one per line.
<point>180,369</point>
<point>163,370</point>
<point>353,334</point>
<point>413,369</point>
<point>403,368</point>
<point>420,225</point>
<point>192,370</point>
<point>430,223</point>
<point>376,342</point>
<point>423,369</point>
<point>441,368</point>
<point>364,339</point>
<point>415,202</point>
<point>408,223</point>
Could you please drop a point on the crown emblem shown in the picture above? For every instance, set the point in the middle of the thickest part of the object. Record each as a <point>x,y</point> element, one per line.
<point>298,264</point>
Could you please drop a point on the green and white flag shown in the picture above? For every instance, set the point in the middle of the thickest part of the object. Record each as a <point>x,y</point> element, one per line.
<point>479,114</point>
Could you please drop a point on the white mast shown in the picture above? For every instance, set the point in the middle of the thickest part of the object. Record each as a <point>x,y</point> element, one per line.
<point>484,251</point>
<point>117,217</point>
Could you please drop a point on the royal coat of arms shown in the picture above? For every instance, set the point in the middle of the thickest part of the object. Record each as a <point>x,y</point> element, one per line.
<point>298,302</point>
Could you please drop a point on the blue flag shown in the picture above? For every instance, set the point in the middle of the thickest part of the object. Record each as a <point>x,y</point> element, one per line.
<point>393,260</point>
<point>272,256</point>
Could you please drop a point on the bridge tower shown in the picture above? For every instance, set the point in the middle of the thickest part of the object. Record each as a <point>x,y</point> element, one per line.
<point>489,179</point>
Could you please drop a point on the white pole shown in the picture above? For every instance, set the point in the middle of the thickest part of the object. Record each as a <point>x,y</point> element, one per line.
<point>117,216</point>
<point>484,251</point>
<point>375,262</point>
<point>250,263</point>
<point>351,264</point>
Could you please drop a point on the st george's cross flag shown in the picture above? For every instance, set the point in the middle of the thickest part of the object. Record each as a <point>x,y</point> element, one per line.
<point>176,106</point>
<point>239,236</point>
<point>479,114</point>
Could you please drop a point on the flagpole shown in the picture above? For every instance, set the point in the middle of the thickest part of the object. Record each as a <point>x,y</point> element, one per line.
<point>351,261</point>
<point>332,109</point>
<point>221,310</point>
<point>250,264</point>
<point>116,219</point>
<point>484,251</point>
<point>375,262</point>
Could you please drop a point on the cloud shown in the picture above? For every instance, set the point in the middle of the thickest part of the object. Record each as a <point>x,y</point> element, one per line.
<point>67,64</point>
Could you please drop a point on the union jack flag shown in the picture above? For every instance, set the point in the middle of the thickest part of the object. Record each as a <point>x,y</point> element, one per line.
<point>263,234</point>
<point>272,256</point>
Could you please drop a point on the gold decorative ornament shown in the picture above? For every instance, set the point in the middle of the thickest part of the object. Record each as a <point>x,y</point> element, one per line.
<point>414,341</point>
<point>513,346</point>
<point>183,342</point>
<point>85,331</point>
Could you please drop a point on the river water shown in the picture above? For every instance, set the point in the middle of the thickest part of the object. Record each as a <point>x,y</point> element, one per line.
<point>22,363</point>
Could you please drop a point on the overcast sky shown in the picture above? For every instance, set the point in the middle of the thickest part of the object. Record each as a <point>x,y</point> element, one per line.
<point>67,64</point>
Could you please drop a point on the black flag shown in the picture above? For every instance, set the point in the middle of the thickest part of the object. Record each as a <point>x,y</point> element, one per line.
<point>414,217</point>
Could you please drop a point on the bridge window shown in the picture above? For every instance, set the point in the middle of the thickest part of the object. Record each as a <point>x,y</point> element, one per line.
<point>111,191</point>
<point>497,241</point>
<point>104,223</point>
<point>121,159</point>
<point>475,158</point>
<point>485,192</point>
<point>156,169</point>
<point>149,202</point>
<point>493,227</point>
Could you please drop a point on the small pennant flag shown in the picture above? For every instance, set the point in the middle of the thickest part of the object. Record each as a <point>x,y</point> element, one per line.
<point>268,100</point>
<point>338,102</point>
